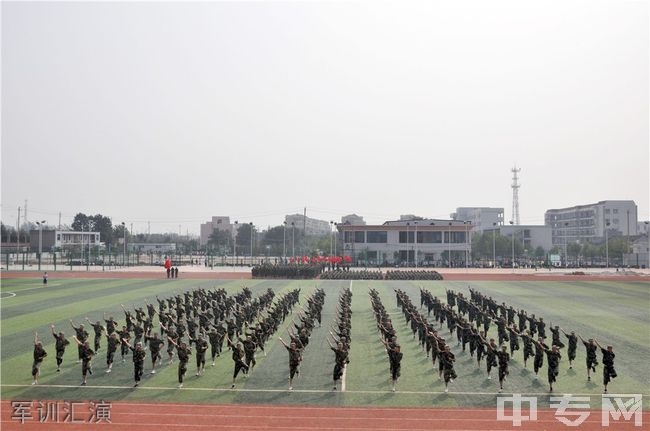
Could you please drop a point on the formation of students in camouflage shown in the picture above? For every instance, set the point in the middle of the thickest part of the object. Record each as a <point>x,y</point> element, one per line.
<point>208,318</point>
<point>470,321</point>
<point>287,270</point>
<point>378,275</point>
<point>205,318</point>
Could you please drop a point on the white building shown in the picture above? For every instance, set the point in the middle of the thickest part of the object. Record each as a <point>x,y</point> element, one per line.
<point>482,218</point>
<point>217,223</point>
<point>311,226</point>
<point>62,239</point>
<point>394,242</point>
<point>588,222</point>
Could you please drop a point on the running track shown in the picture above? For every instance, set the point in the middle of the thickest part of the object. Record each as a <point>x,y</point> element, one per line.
<point>157,417</point>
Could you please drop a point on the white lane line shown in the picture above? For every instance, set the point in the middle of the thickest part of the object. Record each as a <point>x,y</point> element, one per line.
<point>7,297</point>
<point>307,391</point>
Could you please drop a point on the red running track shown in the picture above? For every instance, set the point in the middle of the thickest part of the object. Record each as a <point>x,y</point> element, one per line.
<point>161,416</point>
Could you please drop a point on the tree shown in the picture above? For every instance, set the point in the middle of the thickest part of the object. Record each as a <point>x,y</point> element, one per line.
<point>244,239</point>
<point>80,222</point>
<point>220,240</point>
<point>539,252</point>
<point>104,226</point>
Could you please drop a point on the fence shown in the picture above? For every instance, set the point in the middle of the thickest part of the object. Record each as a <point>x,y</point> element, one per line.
<point>104,261</point>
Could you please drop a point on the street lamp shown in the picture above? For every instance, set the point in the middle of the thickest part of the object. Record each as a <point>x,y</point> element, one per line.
<point>284,240</point>
<point>251,224</point>
<point>336,233</point>
<point>566,239</point>
<point>494,247</point>
<point>449,245</point>
<point>466,250</point>
<point>432,261</point>
<point>293,240</point>
<point>40,241</point>
<point>415,240</point>
<point>513,244</point>
<point>89,234</point>
<point>331,236</point>
<point>606,245</point>
<point>407,243</point>
<point>124,239</point>
<point>235,250</point>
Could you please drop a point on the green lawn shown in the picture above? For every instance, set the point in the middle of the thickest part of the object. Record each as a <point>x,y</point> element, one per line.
<point>614,313</point>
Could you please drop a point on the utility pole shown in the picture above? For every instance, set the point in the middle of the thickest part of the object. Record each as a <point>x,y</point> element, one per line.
<point>59,220</point>
<point>25,216</point>
<point>148,228</point>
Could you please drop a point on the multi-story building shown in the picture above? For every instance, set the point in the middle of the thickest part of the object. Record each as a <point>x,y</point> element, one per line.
<point>589,222</point>
<point>217,223</point>
<point>62,239</point>
<point>482,218</point>
<point>353,219</point>
<point>427,241</point>
<point>531,236</point>
<point>311,226</point>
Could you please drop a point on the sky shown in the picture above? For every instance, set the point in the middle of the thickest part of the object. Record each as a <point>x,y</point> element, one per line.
<point>170,113</point>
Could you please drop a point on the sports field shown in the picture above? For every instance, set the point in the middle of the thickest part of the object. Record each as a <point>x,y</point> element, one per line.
<point>616,313</point>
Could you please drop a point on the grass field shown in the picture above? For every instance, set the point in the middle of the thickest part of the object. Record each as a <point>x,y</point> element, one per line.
<point>614,313</point>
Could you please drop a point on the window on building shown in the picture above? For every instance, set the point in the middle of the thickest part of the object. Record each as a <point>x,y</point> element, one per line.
<point>456,237</point>
<point>359,236</point>
<point>377,236</point>
<point>615,210</point>
<point>348,236</point>
<point>58,237</point>
<point>429,237</point>
<point>402,237</point>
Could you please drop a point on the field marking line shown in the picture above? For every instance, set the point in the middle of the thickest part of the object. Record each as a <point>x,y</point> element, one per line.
<point>383,418</point>
<point>307,391</point>
<point>39,287</point>
<point>7,297</point>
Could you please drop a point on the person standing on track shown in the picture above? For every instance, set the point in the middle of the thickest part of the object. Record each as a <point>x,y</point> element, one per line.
<point>39,355</point>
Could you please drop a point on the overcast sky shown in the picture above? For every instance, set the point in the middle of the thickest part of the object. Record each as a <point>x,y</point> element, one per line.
<point>174,112</point>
